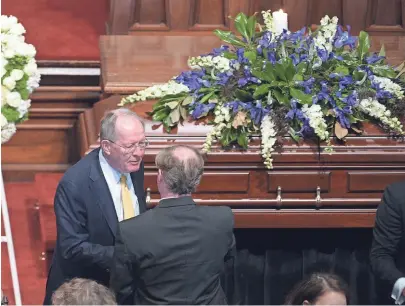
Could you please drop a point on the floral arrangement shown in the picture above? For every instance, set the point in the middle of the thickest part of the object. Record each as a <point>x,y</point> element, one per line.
<point>19,76</point>
<point>310,85</point>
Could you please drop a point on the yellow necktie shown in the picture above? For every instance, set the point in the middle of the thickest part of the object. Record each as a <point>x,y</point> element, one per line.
<point>126,199</point>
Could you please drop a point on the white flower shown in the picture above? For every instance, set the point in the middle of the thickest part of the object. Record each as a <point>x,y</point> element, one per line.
<point>23,107</point>
<point>17,74</point>
<point>9,82</point>
<point>316,120</point>
<point>13,99</point>
<point>3,120</point>
<point>7,132</point>
<point>156,91</point>
<point>268,140</point>
<point>219,63</point>
<point>9,53</point>
<point>4,93</point>
<point>377,110</point>
<point>31,67</point>
<point>7,22</point>
<point>389,86</point>
<point>268,21</point>
<point>17,29</point>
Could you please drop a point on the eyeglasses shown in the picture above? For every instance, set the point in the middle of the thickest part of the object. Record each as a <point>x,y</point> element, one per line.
<point>132,147</point>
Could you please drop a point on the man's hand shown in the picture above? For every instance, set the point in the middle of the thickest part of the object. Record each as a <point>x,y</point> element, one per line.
<point>403,292</point>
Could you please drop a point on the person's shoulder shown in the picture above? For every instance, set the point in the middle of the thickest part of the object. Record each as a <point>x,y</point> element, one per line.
<point>396,192</point>
<point>80,170</point>
<point>139,223</point>
<point>222,215</point>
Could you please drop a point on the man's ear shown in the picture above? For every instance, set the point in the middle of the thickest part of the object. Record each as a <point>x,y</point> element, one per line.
<point>106,147</point>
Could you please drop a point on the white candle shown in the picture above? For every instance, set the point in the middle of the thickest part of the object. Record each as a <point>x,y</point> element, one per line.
<point>280,20</point>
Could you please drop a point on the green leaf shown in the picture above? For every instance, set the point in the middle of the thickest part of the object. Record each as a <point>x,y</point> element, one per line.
<point>183,113</point>
<point>302,68</point>
<point>187,101</point>
<point>342,70</point>
<point>160,115</point>
<point>241,25</point>
<point>360,76</point>
<point>289,70</point>
<point>280,97</point>
<point>364,44</point>
<point>229,55</point>
<point>207,96</point>
<point>172,105</point>
<point>298,77</point>
<point>175,115</point>
<point>267,74</point>
<point>243,140</point>
<point>279,72</point>
<point>229,38</point>
<point>251,26</point>
<point>243,95</point>
<point>300,96</point>
<point>382,50</point>
<point>158,106</point>
<point>384,71</point>
<point>11,114</point>
<point>250,55</point>
<point>261,90</point>
<point>294,135</point>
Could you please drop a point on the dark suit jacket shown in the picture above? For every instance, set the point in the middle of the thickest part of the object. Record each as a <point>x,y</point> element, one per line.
<point>182,258</point>
<point>388,249</point>
<point>86,224</point>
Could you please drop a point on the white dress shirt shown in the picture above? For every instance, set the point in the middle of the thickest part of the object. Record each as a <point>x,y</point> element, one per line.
<point>112,177</point>
<point>399,286</point>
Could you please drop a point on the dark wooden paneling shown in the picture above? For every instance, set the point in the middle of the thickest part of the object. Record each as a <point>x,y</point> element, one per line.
<point>372,181</point>
<point>306,219</point>
<point>211,182</point>
<point>294,181</point>
<point>385,17</point>
<point>47,141</point>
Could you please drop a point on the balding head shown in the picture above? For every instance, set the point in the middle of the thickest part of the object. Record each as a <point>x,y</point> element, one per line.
<point>119,120</point>
<point>181,169</point>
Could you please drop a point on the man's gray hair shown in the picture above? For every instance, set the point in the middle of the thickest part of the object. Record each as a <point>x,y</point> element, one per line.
<point>80,291</point>
<point>109,121</point>
<point>181,175</point>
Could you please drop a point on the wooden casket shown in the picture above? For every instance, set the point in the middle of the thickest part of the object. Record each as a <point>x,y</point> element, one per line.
<point>306,188</point>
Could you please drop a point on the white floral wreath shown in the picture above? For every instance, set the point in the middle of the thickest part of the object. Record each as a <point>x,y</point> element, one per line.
<point>19,75</point>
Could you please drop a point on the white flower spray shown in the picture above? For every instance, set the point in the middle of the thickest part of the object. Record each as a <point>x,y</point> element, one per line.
<point>19,73</point>
<point>377,110</point>
<point>269,139</point>
<point>155,92</point>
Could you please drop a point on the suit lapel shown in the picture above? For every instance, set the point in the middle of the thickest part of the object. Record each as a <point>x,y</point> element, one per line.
<point>138,186</point>
<point>100,188</point>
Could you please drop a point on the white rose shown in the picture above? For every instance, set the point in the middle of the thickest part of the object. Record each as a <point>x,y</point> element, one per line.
<point>17,74</point>
<point>17,29</point>
<point>30,68</point>
<point>4,93</point>
<point>3,120</point>
<point>9,53</point>
<point>9,82</point>
<point>14,99</point>
<point>26,50</point>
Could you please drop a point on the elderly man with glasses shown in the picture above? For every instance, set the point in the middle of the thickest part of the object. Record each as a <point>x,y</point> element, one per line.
<point>105,187</point>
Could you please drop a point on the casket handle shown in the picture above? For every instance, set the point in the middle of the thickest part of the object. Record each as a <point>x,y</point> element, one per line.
<point>148,197</point>
<point>279,198</point>
<point>318,199</point>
